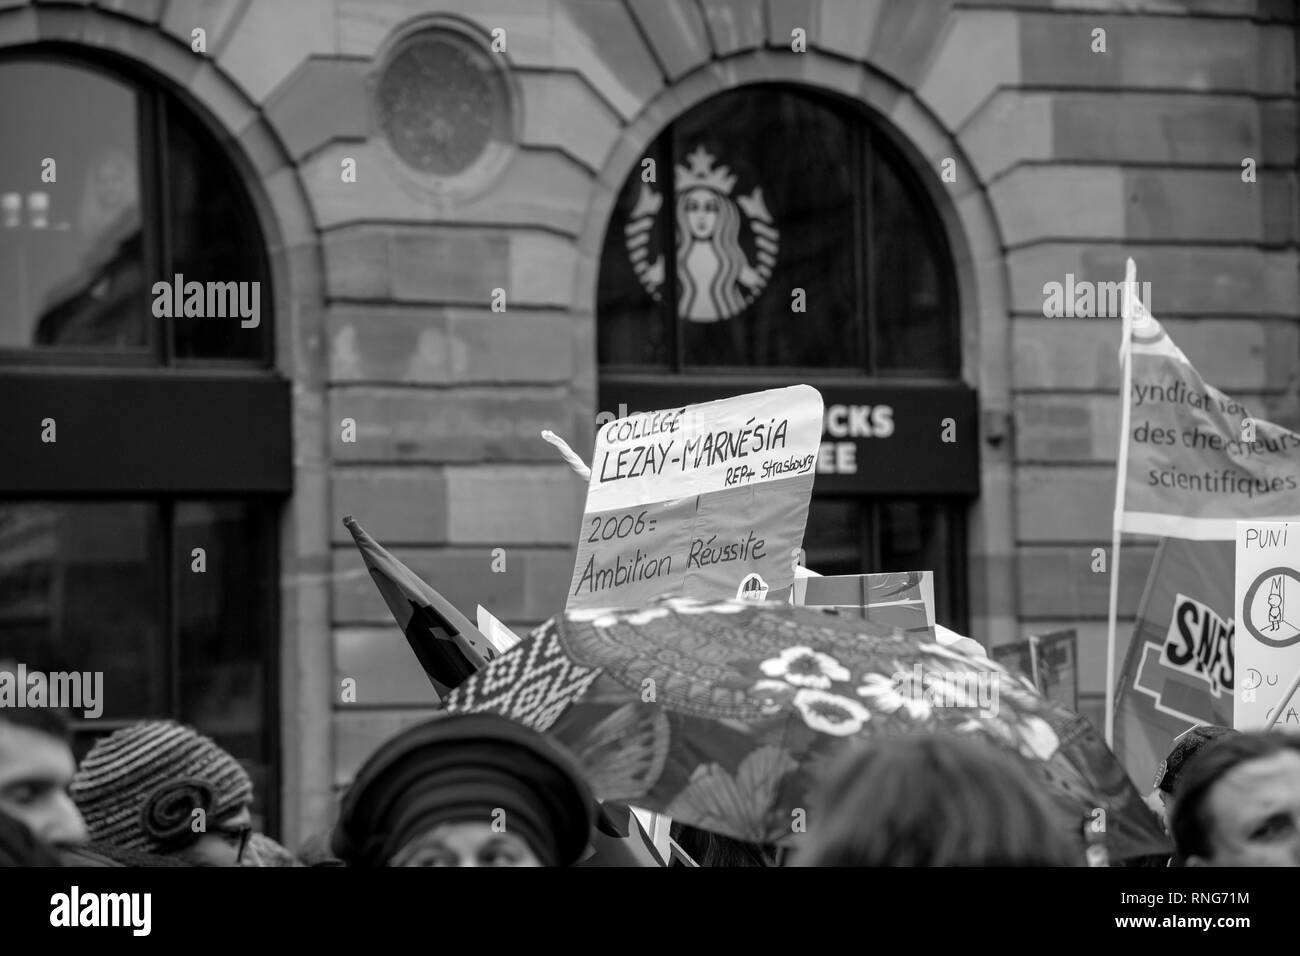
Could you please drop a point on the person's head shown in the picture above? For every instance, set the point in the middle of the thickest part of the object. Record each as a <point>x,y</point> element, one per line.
<point>933,801</point>
<point>36,769</point>
<point>466,790</point>
<point>1238,803</point>
<point>110,190</point>
<point>1186,746</point>
<point>715,849</point>
<point>163,788</point>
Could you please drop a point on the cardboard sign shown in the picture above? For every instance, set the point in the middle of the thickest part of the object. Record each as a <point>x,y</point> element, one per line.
<point>1268,623</point>
<point>1050,661</point>
<point>902,599</point>
<point>705,501</point>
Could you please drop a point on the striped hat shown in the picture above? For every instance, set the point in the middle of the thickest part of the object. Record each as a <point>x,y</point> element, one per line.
<point>139,787</point>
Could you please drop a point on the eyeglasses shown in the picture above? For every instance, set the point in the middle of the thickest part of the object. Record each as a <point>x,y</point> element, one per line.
<point>240,835</point>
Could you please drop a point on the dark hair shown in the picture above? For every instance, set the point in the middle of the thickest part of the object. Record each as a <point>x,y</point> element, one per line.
<point>47,720</point>
<point>934,801</point>
<point>713,849</point>
<point>1191,823</point>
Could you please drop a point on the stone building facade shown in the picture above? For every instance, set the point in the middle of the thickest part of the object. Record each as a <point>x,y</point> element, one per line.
<point>388,290</point>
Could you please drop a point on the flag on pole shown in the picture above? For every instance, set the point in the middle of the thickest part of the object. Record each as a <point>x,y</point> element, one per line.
<point>1192,461</point>
<point>447,645</point>
<point>498,635</point>
<point>1197,460</point>
<point>1180,668</point>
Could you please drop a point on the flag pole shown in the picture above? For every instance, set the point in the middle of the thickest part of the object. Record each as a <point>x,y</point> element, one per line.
<point>1033,659</point>
<point>1121,479</point>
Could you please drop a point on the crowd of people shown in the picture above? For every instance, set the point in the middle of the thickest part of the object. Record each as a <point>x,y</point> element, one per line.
<point>481,790</point>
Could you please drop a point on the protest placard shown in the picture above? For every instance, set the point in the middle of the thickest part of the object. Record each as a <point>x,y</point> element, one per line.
<point>706,501</point>
<point>903,599</point>
<point>1268,623</point>
<point>1050,661</point>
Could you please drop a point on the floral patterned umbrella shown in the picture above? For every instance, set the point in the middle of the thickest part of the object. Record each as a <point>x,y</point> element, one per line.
<point>723,715</point>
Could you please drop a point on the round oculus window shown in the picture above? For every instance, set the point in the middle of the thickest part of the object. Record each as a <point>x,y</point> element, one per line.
<point>443,104</point>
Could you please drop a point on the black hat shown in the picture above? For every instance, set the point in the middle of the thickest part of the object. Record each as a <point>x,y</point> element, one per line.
<point>1186,747</point>
<point>466,767</point>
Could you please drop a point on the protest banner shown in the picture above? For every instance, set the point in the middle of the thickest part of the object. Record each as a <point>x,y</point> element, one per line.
<point>1198,461</point>
<point>1192,461</point>
<point>1268,612</point>
<point>706,501</point>
<point>1050,661</point>
<point>1180,669</point>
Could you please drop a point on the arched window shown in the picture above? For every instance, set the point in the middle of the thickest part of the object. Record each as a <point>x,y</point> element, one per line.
<point>108,185</point>
<point>772,228</point>
<point>145,433</point>
<point>771,235</point>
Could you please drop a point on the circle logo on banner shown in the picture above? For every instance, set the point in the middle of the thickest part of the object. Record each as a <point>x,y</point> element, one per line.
<point>752,588</point>
<point>1271,608</point>
<point>1145,329</point>
<point>726,246</point>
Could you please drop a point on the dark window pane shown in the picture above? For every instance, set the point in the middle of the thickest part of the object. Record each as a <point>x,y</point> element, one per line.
<point>221,616</point>
<point>71,263</point>
<point>214,239</point>
<point>764,205</point>
<point>915,317</point>
<point>632,328</point>
<point>763,202</point>
<point>81,589</point>
<point>914,536</point>
<point>835,535</point>
<point>908,535</point>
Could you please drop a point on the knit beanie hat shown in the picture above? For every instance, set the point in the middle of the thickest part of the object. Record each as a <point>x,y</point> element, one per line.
<point>1186,747</point>
<point>139,787</point>
<point>464,768</point>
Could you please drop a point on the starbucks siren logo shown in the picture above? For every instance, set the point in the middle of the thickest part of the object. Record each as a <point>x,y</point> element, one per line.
<point>715,277</point>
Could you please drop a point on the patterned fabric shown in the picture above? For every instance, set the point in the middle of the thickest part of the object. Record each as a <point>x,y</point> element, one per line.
<point>139,787</point>
<point>723,715</point>
<point>533,684</point>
